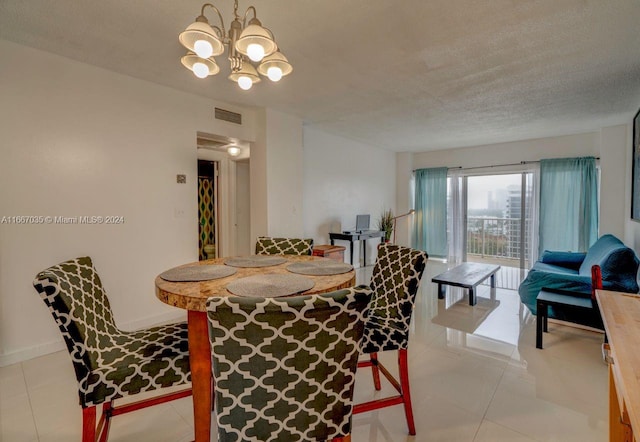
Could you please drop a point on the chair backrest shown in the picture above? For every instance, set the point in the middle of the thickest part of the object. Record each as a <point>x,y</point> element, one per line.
<point>284,368</point>
<point>283,246</point>
<point>394,282</point>
<point>73,292</point>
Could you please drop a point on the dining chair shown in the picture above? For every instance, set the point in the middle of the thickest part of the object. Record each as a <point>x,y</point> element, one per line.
<point>395,282</point>
<point>284,368</point>
<point>110,363</point>
<point>283,246</point>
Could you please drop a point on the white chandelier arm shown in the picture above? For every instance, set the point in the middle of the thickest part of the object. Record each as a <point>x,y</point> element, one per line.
<point>255,17</point>
<point>244,20</point>
<point>219,17</point>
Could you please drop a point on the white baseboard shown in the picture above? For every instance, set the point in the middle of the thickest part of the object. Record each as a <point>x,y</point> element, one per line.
<point>54,346</point>
<point>31,352</point>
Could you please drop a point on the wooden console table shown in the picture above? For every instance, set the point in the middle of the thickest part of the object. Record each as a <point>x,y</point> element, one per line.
<point>620,313</point>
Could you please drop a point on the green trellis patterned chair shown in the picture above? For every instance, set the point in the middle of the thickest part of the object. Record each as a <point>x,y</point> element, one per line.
<point>284,368</point>
<point>283,246</point>
<point>110,363</point>
<point>395,282</point>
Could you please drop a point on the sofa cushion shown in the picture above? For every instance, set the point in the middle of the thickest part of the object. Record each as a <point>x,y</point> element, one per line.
<point>599,252</point>
<point>570,260</point>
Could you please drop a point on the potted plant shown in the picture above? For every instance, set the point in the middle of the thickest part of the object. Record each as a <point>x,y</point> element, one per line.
<point>385,223</point>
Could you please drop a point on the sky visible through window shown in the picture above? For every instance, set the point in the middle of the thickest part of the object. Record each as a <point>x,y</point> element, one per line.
<point>481,189</point>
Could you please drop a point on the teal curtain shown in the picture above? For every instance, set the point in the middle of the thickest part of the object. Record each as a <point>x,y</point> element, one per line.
<point>568,204</point>
<point>430,219</point>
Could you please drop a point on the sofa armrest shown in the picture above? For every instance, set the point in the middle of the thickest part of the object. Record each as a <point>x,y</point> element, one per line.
<point>570,260</point>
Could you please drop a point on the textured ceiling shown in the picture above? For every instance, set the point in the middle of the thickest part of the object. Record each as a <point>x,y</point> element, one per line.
<point>406,75</point>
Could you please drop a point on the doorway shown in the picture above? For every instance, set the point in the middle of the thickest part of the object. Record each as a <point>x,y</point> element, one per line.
<point>223,196</point>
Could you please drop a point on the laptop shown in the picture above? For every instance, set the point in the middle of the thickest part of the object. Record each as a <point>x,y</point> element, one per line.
<point>362,223</point>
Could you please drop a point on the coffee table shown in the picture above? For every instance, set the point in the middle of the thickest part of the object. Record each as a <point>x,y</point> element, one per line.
<point>467,275</point>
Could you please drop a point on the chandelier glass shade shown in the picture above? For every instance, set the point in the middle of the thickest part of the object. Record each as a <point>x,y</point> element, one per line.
<point>246,43</point>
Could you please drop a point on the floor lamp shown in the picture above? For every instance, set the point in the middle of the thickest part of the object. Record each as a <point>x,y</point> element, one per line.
<point>410,212</point>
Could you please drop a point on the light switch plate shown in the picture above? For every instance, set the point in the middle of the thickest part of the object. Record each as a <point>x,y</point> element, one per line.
<point>181,179</point>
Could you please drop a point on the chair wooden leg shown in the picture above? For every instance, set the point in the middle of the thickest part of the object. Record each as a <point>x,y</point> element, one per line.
<point>89,424</point>
<point>406,393</point>
<point>105,420</point>
<point>375,370</point>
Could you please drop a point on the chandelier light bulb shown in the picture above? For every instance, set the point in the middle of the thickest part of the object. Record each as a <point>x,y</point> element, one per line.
<point>203,49</point>
<point>200,70</point>
<point>255,52</point>
<point>274,73</point>
<point>245,83</point>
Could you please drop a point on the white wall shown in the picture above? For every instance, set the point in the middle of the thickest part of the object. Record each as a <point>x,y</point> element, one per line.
<point>284,179</point>
<point>276,176</point>
<point>404,198</point>
<point>344,178</point>
<point>607,143</point>
<point>79,140</point>
<point>632,228</point>
<point>506,153</point>
<point>244,243</point>
<point>613,179</point>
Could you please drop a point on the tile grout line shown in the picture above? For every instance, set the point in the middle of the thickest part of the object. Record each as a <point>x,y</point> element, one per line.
<point>484,415</point>
<point>33,415</point>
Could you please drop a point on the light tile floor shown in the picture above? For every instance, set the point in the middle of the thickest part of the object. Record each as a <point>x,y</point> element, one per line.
<point>475,375</point>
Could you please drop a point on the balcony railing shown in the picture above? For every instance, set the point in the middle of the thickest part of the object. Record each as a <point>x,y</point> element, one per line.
<point>497,238</point>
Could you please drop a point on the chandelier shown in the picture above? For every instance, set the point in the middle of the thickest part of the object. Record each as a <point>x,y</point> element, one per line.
<point>247,42</point>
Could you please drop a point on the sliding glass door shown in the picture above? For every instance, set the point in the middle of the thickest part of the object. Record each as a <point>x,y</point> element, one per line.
<point>492,218</point>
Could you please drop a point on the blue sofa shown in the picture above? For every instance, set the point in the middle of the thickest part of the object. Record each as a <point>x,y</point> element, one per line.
<point>571,272</point>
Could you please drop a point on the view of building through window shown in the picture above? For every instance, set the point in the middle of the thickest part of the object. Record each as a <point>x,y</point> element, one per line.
<point>494,219</point>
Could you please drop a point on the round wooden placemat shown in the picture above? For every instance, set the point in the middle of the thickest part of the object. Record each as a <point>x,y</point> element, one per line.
<point>255,261</point>
<point>270,286</point>
<point>197,273</point>
<point>319,268</point>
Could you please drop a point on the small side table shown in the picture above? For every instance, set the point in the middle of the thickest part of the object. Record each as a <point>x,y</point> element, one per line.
<point>332,252</point>
<point>546,299</point>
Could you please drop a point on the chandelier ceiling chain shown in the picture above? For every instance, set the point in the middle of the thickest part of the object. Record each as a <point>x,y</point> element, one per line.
<point>247,42</point>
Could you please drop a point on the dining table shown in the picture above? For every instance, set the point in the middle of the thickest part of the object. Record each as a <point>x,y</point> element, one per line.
<point>191,294</point>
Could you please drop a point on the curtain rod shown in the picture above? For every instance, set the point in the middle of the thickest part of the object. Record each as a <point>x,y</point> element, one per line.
<point>495,165</point>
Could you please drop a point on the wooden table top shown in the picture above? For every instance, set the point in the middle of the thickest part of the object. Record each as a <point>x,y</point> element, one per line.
<point>621,317</point>
<point>193,295</point>
<point>467,274</point>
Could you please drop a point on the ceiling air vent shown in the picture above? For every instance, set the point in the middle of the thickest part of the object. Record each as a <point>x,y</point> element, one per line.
<point>229,116</point>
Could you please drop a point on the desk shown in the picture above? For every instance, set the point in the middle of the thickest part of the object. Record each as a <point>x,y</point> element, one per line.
<point>620,313</point>
<point>357,236</point>
<point>192,296</point>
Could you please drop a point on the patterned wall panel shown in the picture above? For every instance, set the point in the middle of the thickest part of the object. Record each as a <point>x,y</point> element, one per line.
<point>206,214</point>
